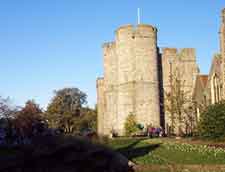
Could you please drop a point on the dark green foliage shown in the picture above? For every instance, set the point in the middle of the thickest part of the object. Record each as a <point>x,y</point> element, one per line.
<point>65,109</point>
<point>67,100</point>
<point>212,122</point>
<point>88,119</point>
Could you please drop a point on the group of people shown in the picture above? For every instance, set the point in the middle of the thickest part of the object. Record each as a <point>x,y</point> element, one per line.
<point>155,131</point>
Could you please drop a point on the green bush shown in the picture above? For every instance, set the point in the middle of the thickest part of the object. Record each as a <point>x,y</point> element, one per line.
<point>212,122</point>
<point>130,125</point>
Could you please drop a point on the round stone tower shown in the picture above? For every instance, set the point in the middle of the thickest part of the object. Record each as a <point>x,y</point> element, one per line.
<point>126,72</point>
<point>138,83</point>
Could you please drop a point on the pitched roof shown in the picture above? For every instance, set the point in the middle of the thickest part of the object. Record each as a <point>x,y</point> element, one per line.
<point>200,84</point>
<point>204,79</point>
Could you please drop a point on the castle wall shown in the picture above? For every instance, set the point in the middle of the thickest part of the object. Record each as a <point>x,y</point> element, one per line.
<point>110,77</point>
<point>131,77</point>
<point>131,84</point>
<point>169,56</point>
<point>137,76</point>
<point>110,64</point>
<point>100,105</point>
<point>183,64</point>
<point>222,49</point>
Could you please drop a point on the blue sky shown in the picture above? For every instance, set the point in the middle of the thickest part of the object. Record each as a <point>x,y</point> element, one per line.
<point>46,45</point>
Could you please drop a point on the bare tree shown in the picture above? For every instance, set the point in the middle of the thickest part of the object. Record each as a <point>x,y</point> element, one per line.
<point>6,111</point>
<point>178,103</point>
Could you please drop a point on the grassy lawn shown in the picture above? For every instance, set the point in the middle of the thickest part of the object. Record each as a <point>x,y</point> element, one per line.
<point>164,154</point>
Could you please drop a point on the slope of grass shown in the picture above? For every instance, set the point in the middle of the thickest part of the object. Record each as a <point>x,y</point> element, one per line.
<point>164,152</point>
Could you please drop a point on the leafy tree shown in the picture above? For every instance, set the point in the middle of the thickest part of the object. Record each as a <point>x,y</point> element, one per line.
<point>65,108</point>
<point>131,125</point>
<point>88,119</point>
<point>212,122</point>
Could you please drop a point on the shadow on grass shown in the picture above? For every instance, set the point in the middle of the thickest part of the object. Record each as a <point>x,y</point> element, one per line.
<point>62,154</point>
<point>133,150</point>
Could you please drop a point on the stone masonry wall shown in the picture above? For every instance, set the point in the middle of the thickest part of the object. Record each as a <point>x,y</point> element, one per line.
<point>146,75</point>
<point>130,79</point>
<point>100,105</point>
<point>222,49</point>
<point>110,77</point>
<point>181,61</point>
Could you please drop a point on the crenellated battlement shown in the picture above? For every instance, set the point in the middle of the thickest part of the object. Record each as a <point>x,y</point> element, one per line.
<point>223,16</point>
<point>187,53</point>
<point>169,51</point>
<point>130,32</point>
<point>108,50</point>
<point>108,45</point>
<point>179,54</point>
<point>146,27</point>
<point>100,81</point>
<point>129,27</point>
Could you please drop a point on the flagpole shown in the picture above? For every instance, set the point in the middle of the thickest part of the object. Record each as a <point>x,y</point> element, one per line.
<point>138,15</point>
